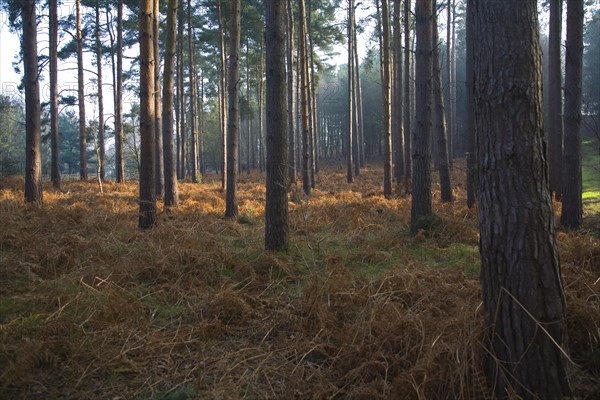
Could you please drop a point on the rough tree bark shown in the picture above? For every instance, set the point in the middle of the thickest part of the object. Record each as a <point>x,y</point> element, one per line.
<point>276,210</point>
<point>520,270</point>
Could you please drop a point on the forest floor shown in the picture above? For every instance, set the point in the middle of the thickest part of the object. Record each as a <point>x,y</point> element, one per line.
<point>93,308</point>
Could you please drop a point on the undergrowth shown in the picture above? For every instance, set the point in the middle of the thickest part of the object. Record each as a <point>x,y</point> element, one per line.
<point>358,308</point>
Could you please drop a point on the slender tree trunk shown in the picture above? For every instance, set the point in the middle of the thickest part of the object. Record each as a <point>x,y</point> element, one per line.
<point>158,140</point>
<point>193,98</point>
<point>101,150</point>
<point>521,285</point>
<point>472,174</point>
<point>421,152</point>
<point>54,138</point>
<point>119,134</point>
<point>182,102</point>
<point>201,124</point>
<point>171,195</point>
<point>407,99</point>
<point>177,114</point>
<point>290,93</point>
<point>302,63</point>
<point>233,128</point>
<point>222,98</point>
<point>386,90</point>
<point>572,207</point>
<point>355,127</point>
<point>80,96</point>
<point>276,210</point>
<point>261,146</point>
<point>555,105</point>
<point>452,134</point>
<point>147,215</point>
<point>397,99</point>
<point>312,99</point>
<point>449,61</point>
<point>440,117</point>
<point>33,139</point>
<point>350,136</point>
<point>359,102</point>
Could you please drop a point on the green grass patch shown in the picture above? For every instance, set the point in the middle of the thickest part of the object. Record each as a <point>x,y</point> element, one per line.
<point>590,170</point>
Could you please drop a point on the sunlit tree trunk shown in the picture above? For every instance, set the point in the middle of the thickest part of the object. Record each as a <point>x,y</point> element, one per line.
<point>521,286</point>
<point>147,214</point>
<point>33,151</point>
<point>80,96</point>
<point>233,128</point>
<point>350,138</point>
<point>440,118</point>
<point>421,151</point>
<point>386,91</point>
<point>171,194</point>
<point>304,99</point>
<point>276,210</point>
<point>101,150</point>
<point>159,179</point>
<point>54,137</point>
<point>572,207</point>
<point>397,105</point>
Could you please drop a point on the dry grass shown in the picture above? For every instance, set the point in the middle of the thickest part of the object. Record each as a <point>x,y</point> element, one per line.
<point>91,307</point>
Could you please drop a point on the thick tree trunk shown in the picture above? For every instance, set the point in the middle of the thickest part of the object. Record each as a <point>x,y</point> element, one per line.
<point>193,98</point>
<point>471,128</point>
<point>33,139</point>
<point>80,97</point>
<point>233,128</point>
<point>421,151</point>
<point>54,137</point>
<point>276,210</point>
<point>171,195</point>
<point>304,99</point>
<point>119,134</point>
<point>440,118</point>
<point>290,93</point>
<point>350,138</point>
<point>520,271</point>
<point>572,207</point>
<point>101,150</point>
<point>386,91</point>
<point>407,99</point>
<point>147,215</point>
<point>397,105</point>
<point>159,178</point>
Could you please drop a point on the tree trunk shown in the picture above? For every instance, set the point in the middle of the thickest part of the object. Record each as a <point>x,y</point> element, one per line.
<point>33,139</point>
<point>276,210</point>
<point>572,207</point>
<point>233,128</point>
<point>421,151</point>
<point>554,120</point>
<point>147,215</point>
<point>80,97</point>
<point>182,102</point>
<point>171,195</point>
<point>351,144</point>
<point>290,93</point>
<point>520,271</point>
<point>359,102</point>
<point>440,118</point>
<point>261,145</point>
<point>55,168</point>
<point>302,63</point>
<point>159,178</point>
<point>101,150</point>
<point>193,98</point>
<point>471,127</point>
<point>386,91</point>
<point>407,99</point>
<point>119,134</point>
<point>222,98</point>
<point>397,99</point>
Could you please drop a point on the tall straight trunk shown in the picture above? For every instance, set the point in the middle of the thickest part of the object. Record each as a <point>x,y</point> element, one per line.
<point>233,128</point>
<point>249,116</point>
<point>359,102</point>
<point>222,98</point>
<point>407,98</point>
<point>397,99</point>
<point>290,93</point>
<point>54,138</point>
<point>201,124</point>
<point>452,134</point>
<point>572,207</point>
<point>449,61</point>
<point>471,128</point>
<point>524,307</point>
<point>440,117</point>
<point>261,141</point>
<point>554,119</point>
<point>182,102</point>
<point>177,113</point>
<point>386,91</point>
<point>159,177</point>
<point>101,150</point>
<point>302,63</point>
<point>147,214</point>
<point>312,98</point>
<point>119,134</point>
<point>350,136</point>
<point>298,112</point>
<point>354,91</point>
<point>33,133</point>
<point>171,194</point>
<point>193,98</point>
<point>80,97</point>
<point>421,152</point>
<point>276,209</point>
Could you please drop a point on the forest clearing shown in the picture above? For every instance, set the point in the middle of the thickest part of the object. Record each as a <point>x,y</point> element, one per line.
<point>358,308</point>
